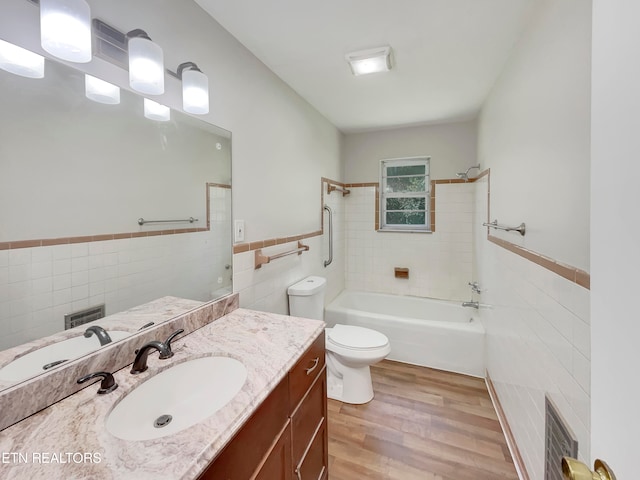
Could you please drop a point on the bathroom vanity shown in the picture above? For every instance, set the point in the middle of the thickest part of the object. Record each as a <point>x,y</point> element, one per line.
<point>273,428</point>
<point>287,435</point>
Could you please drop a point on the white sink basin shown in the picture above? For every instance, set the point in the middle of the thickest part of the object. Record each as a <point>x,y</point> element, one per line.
<point>189,392</point>
<point>31,363</point>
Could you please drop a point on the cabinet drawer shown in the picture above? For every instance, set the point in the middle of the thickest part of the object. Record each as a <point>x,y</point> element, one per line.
<point>314,464</point>
<point>308,416</point>
<point>305,371</point>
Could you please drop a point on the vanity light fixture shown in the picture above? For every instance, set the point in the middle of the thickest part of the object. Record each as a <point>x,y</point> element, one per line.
<point>195,88</point>
<point>22,62</point>
<point>372,60</point>
<point>100,91</point>
<point>146,64</point>
<point>155,111</point>
<point>65,29</point>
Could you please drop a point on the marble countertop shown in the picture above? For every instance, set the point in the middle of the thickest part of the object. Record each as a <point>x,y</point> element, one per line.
<point>68,440</point>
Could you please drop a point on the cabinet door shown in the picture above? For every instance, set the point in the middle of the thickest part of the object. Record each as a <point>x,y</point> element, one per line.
<point>308,417</point>
<point>309,433</point>
<point>243,455</point>
<point>277,466</point>
<point>314,463</point>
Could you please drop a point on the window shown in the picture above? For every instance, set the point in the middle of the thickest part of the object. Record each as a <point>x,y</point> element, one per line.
<point>404,198</point>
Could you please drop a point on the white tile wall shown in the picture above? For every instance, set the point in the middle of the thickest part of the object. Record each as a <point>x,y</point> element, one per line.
<point>38,286</point>
<point>440,263</point>
<point>538,338</point>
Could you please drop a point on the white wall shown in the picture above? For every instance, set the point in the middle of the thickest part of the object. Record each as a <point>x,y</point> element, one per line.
<point>276,134</point>
<point>76,167</point>
<point>440,263</point>
<point>451,146</point>
<point>615,257</point>
<point>534,135</point>
<point>537,343</point>
<point>266,288</point>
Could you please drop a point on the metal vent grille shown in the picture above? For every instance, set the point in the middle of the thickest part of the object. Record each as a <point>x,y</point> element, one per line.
<point>81,317</point>
<point>560,442</point>
<point>110,44</point>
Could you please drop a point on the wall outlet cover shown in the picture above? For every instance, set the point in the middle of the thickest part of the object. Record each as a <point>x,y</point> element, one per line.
<point>238,231</point>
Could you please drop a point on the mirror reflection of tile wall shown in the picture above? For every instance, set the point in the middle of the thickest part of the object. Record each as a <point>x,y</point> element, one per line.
<point>75,177</point>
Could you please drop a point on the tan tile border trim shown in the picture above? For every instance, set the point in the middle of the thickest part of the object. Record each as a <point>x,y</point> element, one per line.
<point>249,246</point>
<point>46,242</point>
<point>571,273</point>
<point>506,429</point>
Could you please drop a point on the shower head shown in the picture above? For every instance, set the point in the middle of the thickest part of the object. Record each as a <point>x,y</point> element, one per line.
<point>465,176</point>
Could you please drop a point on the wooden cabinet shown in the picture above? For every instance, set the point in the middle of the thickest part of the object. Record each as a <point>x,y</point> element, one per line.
<point>286,437</point>
<point>309,432</point>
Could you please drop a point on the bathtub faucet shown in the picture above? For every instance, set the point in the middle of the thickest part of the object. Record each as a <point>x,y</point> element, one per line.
<point>475,305</point>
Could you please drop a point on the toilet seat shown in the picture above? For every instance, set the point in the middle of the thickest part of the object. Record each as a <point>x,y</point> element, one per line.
<point>356,338</point>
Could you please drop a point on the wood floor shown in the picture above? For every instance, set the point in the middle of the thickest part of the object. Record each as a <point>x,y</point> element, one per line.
<point>423,424</point>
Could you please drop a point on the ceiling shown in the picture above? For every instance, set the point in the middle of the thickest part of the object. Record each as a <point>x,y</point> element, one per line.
<point>447,54</point>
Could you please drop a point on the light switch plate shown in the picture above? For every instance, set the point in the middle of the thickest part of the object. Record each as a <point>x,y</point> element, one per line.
<point>238,231</point>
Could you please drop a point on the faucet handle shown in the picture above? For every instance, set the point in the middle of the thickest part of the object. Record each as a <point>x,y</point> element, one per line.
<point>107,385</point>
<point>169,353</point>
<point>475,287</point>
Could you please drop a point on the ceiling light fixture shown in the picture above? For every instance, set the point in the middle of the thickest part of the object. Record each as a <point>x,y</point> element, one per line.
<point>372,60</point>
<point>100,91</point>
<point>146,64</point>
<point>155,111</point>
<point>22,62</point>
<point>65,29</point>
<point>195,88</point>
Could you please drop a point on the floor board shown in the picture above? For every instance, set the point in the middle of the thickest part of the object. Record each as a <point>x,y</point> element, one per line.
<point>423,424</point>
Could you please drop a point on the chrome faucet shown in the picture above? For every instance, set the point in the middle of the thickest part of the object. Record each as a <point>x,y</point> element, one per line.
<point>100,332</point>
<point>140,362</point>
<point>471,304</point>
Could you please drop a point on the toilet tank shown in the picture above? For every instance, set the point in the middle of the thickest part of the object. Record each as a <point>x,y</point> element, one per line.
<point>306,298</point>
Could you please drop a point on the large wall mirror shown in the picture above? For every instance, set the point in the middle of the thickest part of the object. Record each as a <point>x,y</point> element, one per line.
<point>102,210</point>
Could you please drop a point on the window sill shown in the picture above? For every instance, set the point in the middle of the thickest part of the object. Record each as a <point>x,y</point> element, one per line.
<point>403,230</point>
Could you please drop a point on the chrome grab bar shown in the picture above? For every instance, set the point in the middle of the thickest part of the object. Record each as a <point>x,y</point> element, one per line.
<point>521,229</point>
<point>142,221</point>
<point>328,262</point>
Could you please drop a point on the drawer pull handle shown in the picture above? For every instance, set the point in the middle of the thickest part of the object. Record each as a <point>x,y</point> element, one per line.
<point>314,366</point>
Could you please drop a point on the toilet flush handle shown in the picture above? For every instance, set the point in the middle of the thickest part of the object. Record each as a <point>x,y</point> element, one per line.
<point>314,366</point>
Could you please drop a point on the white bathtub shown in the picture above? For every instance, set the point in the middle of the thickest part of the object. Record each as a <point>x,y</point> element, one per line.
<point>422,331</point>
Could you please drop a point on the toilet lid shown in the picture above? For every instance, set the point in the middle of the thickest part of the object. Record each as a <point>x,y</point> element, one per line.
<point>357,337</point>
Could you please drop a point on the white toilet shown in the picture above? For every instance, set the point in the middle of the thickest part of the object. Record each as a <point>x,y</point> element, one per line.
<point>350,349</point>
